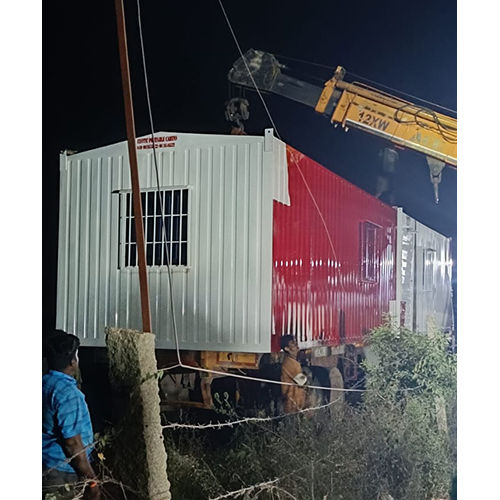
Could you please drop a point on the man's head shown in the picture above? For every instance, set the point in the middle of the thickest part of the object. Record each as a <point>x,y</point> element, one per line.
<point>61,352</point>
<point>289,344</point>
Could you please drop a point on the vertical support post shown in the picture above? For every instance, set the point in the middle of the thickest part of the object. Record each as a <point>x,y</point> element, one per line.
<point>140,457</point>
<point>134,171</point>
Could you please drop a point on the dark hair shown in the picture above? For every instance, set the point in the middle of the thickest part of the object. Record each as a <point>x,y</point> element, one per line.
<point>285,340</point>
<point>60,350</point>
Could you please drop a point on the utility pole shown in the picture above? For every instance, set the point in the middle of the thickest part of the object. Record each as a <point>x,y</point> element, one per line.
<point>131,353</point>
<point>134,171</point>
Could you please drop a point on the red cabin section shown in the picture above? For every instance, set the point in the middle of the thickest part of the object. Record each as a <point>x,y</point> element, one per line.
<point>333,258</point>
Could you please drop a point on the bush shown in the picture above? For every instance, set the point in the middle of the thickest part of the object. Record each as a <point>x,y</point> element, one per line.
<point>391,444</point>
<point>412,393</point>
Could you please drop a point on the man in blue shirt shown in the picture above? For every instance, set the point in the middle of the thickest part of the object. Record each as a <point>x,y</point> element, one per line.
<point>67,434</point>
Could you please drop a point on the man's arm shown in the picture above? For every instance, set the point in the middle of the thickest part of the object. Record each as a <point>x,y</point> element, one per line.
<point>73,447</point>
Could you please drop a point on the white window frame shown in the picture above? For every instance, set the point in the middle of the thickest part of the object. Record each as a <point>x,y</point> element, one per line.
<point>176,221</point>
<point>369,259</point>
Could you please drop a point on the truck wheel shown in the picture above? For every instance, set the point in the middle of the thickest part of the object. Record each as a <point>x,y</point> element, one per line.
<point>318,376</point>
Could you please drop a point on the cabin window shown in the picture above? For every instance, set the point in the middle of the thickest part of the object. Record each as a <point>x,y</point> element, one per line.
<point>369,254</point>
<point>428,278</point>
<point>165,242</point>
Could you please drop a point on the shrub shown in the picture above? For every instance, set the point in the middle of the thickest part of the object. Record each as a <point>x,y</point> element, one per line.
<point>392,444</point>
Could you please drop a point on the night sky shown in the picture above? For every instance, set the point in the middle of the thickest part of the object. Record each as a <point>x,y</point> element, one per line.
<point>189,50</point>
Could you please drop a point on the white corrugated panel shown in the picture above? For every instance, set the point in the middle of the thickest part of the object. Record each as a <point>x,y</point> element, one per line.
<point>424,290</point>
<point>280,169</point>
<point>433,272</point>
<point>222,297</point>
<point>405,286</point>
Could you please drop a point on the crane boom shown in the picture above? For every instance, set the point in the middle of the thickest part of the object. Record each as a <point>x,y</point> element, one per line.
<point>403,123</point>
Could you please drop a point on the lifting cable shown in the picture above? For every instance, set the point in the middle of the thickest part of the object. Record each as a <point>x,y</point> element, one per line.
<point>180,364</point>
<point>248,69</point>
<point>445,131</point>
<point>162,208</point>
<point>331,68</point>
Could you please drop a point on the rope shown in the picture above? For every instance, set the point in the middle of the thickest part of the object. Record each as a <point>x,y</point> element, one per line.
<point>331,68</point>
<point>162,208</point>
<point>403,93</point>
<point>296,163</point>
<point>258,379</point>
<point>248,69</point>
<point>180,364</point>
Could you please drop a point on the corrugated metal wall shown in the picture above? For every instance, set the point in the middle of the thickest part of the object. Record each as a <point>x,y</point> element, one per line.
<point>222,297</point>
<point>424,277</point>
<point>405,282</point>
<point>318,292</point>
<point>433,281</point>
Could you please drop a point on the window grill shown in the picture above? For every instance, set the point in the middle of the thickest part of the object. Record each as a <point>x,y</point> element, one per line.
<point>160,250</point>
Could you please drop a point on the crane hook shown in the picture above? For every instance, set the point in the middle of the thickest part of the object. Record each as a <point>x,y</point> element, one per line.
<point>435,170</point>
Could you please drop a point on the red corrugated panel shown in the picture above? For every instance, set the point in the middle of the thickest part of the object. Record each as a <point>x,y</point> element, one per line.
<point>319,294</point>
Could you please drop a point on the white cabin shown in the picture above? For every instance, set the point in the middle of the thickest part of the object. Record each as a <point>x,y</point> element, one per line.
<point>218,193</point>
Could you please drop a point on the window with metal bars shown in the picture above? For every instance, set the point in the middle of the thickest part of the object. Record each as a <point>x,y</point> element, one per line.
<point>369,254</point>
<point>165,243</point>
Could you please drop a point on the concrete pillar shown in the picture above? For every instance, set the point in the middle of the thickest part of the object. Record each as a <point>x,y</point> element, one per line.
<point>140,458</point>
<point>441,418</point>
<point>336,397</point>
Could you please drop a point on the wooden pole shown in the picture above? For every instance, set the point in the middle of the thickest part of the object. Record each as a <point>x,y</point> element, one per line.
<point>134,171</point>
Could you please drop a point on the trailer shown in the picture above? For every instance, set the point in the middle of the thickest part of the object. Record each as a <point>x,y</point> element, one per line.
<point>262,241</point>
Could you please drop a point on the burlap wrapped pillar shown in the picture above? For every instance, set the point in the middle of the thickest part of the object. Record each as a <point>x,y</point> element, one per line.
<point>139,455</point>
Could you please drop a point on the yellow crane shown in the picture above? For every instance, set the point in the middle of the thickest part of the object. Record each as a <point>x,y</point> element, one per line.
<point>403,123</point>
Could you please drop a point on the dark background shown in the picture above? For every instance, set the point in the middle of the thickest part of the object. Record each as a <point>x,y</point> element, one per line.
<point>189,50</point>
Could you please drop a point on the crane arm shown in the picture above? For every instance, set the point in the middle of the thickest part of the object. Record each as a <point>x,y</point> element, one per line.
<point>398,121</point>
<point>403,123</point>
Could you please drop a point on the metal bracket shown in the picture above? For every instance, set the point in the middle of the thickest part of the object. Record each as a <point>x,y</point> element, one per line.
<point>268,139</point>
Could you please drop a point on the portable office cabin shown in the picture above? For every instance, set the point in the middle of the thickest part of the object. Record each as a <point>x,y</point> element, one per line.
<point>263,241</point>
<point>218,193</point>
